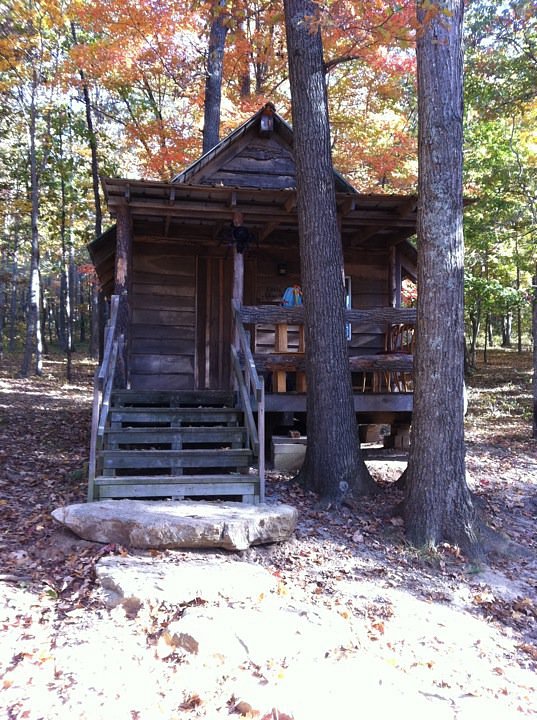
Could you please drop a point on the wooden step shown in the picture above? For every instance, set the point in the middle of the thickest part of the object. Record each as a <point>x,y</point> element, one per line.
<point>178,437</point>
<point>158,459</point>
<point>183,398</point>
<point>175,416</point>
<point>179,486</point>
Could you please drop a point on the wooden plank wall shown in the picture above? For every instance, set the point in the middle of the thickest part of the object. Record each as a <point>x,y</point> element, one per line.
<point>215,282</point>
<point>259,162</point>
<point>162,344</point>
<point>369,285</point>
<point>270,287</point>
<point>370,288</point>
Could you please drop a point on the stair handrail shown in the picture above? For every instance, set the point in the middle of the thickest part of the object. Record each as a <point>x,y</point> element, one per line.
<point>251,391</point>
<point>103,384</point>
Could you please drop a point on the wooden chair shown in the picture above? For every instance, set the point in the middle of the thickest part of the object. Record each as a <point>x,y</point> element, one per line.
<point>400,338</point>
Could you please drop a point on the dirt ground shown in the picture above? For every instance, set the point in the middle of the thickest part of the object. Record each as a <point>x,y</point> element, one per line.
<point>430,632</point>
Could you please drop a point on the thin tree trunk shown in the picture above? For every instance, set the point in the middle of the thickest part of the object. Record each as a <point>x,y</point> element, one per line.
<point>66,295</point>
<point>94,319</point>
<point>486,338</point>
<point>534,332</point>
<point>33,345</point>
<point>92,139</point>
<point>518,312</point>
<point>438,504</point>
<point>13,301</point>
<point>213,79</point>
<point>333,467</point>
<point>3,301</point>
<point>507,327</point>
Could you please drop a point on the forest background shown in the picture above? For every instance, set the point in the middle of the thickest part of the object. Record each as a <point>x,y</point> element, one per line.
<point>118,88</point>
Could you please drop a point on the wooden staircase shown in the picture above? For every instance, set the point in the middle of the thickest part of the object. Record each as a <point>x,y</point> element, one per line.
<point>190,444</point>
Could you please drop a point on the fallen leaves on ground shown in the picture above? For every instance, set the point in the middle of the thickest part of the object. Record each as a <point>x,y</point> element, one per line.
<point>354,562</point>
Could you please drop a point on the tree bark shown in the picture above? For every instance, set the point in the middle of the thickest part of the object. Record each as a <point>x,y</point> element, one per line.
<point>438,503</point>
<point>92,139</point>
<point>534,332</point>
<point>33,344</point>
<point>213,79</point>
<point>333,466</point>
<point>13,300</point>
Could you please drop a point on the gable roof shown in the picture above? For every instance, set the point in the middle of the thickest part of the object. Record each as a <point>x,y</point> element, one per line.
<point>252,172</point>
<point>250,157</point>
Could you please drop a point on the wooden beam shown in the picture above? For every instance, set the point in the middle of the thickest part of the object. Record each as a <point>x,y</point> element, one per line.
<point>267,230</point>
<point>364,234</point>
<point>208,209</point>
<point>290,204</point>
<point>347,206</point>
<point>407,206</point>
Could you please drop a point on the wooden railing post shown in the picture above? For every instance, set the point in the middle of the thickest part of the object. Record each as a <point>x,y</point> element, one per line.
<point>251,393</point>
<point>102,391</point>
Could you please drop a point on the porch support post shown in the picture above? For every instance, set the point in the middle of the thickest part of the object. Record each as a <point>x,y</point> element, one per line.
<point>238,287</point>
<point>395,277</point>
<point>122,282</point>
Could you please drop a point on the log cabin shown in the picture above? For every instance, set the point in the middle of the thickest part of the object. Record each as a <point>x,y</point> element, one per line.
<point>201,360</point>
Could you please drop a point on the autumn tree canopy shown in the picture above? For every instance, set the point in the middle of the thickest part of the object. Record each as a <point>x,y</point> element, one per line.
<point>138,71</point>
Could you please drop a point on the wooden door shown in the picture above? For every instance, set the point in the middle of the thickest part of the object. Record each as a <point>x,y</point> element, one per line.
<point>214,284</point>
<point>162,336</point>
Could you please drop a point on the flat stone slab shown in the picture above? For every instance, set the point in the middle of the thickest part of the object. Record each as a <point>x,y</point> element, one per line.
<point>265,634</point>
<point>136,581</point>
<point>179,524</point>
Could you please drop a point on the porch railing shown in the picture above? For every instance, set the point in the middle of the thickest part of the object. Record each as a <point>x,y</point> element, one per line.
<point>103,385</point>
<point>251,393</point>
<point>383,361</point>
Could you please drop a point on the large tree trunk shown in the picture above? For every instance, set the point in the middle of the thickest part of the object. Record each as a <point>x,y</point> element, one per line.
<point>438,504</point>
<point>213,79</point>
<point>333,467</point>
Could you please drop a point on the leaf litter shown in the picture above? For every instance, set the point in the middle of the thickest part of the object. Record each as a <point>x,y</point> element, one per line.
<point>459,637</point>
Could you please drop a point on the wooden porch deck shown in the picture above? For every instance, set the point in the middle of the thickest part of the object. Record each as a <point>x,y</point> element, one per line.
<point>371,407</point>
<point>382,378</point>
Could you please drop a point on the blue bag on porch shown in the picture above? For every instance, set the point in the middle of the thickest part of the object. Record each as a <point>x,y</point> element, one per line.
<point>292,296</point>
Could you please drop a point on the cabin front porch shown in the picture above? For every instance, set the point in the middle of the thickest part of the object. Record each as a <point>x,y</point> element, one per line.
<point>200,443</point>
